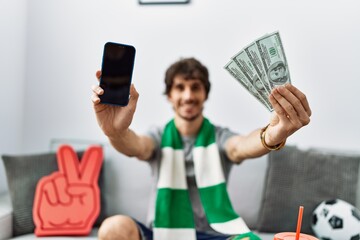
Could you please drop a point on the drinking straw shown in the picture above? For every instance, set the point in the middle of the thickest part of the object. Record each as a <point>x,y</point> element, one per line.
<point>298,228</point>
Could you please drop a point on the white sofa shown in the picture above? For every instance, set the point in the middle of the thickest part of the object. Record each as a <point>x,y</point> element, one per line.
<point>126,190</point>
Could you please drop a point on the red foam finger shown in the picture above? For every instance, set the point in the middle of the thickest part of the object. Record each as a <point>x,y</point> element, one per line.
<point>60,185</point>
<point>68,163</point>
<point>84,194</point>
<point>91,164</point>
<point>49,190</point>
<point>64,204</point>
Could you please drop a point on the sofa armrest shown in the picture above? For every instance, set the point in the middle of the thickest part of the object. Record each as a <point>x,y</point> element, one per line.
<point>5,216</point>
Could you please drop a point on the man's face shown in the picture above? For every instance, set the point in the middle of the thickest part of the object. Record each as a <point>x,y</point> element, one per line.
<point>258,84</point>
<point>187,97</point>
<point>277,73</point>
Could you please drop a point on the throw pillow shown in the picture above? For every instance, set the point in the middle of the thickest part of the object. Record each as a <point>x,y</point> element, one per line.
<point>297,177</point>
<point>23,173</point>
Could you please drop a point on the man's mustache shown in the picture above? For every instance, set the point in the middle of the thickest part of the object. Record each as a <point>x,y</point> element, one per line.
<point>190,101</point>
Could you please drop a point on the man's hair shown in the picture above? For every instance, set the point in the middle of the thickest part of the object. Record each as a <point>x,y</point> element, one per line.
<point>188,68</point>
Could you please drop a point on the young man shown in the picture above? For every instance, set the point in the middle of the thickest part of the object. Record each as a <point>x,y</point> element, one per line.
<point>191,158</point>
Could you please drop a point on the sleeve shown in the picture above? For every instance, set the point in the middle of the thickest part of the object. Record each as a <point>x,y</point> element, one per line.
<point>155,134</point>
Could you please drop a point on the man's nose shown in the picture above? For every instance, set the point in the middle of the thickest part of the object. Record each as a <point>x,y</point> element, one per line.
<point>188,93</point>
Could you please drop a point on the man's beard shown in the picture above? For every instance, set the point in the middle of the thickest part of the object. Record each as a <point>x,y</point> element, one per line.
<point>192,118</point>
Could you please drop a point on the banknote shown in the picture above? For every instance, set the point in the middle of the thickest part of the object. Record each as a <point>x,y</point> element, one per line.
<point>260,67</point>
<point>254,55</point>
<point>247,68</point>
<point>236,72</point>
<point>273,59</point>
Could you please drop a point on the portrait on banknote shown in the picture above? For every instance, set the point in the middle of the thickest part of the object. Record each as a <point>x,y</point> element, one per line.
<point>278,73</point>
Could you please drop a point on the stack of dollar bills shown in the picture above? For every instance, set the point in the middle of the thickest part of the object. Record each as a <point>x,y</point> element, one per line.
<point>260,67</point>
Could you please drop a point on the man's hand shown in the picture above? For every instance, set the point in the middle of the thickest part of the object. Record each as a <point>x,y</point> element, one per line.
<point>291,112</point>
<point>113,120</point>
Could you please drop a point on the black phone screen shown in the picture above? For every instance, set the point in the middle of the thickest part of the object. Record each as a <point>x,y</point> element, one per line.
<point>117,67</point>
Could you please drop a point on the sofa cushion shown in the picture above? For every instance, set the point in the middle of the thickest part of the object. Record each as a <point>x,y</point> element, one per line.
<point>304,177</point>
<point>23,172</point>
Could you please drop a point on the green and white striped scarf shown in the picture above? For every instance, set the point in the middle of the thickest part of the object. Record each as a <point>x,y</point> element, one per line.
<point>173,212</point>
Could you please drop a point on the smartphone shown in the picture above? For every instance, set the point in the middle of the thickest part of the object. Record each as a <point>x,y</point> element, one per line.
<point>116,73</point>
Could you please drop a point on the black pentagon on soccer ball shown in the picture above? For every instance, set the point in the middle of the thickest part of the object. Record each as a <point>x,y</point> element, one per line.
<point>336,222</point>
<point>331,202</point>
<point>323,238</point>
<point>356,213</point>
<point>356,237</point>
<point>314,219</point>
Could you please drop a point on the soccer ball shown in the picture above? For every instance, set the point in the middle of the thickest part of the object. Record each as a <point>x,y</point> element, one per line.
<point>336,220</point>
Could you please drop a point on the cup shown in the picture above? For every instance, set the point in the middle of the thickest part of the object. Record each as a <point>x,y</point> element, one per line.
<point>292,236</point>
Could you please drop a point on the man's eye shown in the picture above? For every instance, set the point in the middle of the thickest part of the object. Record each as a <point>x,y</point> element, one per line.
<point>179,87</point>
<point>195,87</point>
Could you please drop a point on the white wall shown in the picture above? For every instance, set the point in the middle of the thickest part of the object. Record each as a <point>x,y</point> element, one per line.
<point>12,67</point>
<point>64,48</point>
